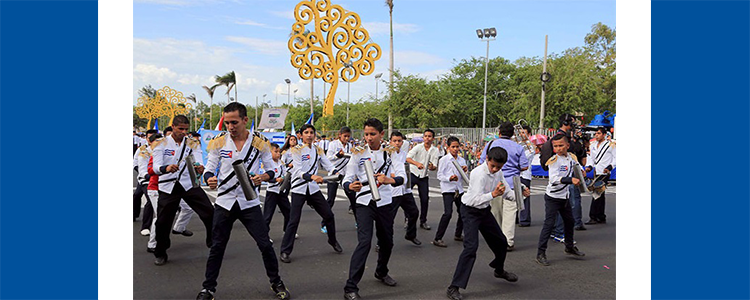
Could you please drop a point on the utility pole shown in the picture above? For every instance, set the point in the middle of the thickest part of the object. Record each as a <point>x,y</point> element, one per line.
<point>545,78</point>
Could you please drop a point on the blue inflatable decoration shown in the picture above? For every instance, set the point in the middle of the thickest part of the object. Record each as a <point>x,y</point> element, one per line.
<point>606,119</point>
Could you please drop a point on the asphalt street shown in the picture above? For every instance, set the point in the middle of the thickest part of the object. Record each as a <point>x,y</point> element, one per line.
<point>422,272</point>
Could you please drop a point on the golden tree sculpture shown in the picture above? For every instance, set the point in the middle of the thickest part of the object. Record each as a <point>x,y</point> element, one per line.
<point>338,47</point>
<point>168,102</point>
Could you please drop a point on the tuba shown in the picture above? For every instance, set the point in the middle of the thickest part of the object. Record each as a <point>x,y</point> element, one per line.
<point>522,139</point>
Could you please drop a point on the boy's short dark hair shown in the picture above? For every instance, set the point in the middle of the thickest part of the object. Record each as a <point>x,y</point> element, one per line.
<point>180,119</point>
<point>498,154</point>
<point>345,130</point>
<point>168,129</point>
<point>558,137</point>
<point>452,139</point>
<point>397,133</point>
<point>527,128</point>
<point>375,123</point>
<point>305,127</point>
<point>153,137</point>
<point>603,130</point>
<point>236,106</point>
<point>506,129</point>
<point>274,145</point>
<point>430,131</point>
<point>152,131</point>
<point>195,134</point>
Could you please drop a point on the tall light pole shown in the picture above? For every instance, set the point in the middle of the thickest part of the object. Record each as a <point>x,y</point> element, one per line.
<point>488,34</point>
<point>288,92</point>
<point>377,77</point>
<point>348,90</point>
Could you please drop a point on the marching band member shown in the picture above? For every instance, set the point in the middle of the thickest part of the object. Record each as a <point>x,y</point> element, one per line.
<point>231,204</point>
<point>174,184</point>
<point>335,153</point>
<point>417,157</point>
<point>153,193</point>
<point>524,216</point>
<point>485,183</point>
<point>274,197</point>
<point>402,195</point>
<point>603,162</point>
<point>369,211</point>
<point>556,198</point>
<point>140,165</point>
<point>306,159</point>
<point>452,189</point>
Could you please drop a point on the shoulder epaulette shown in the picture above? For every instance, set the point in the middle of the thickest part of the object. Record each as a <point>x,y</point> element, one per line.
<point>358,150</point>
<point>613,144</point>
<point>158,142</point>
<point>390,149</point>
<point>573,156</point>
<point>320,150</point>
<point>551,160</point>
<point>217,142</point>
<point>296,149</point>
<point>260,142</point>
<point>193,143</point>
<point>143,152</point>
<point>142,148</point>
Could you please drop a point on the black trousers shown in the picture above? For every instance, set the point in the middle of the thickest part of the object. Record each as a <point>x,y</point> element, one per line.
<point>423,187</point>
<point>596,211</point>
<point>196,198</point>
<point>333,188</point>
<point>450,199</point>
<point>475,221</point>
<point>383,219</point>
<point>253,220</point>
<point>321,207</point>
<point>411,212</point>
<point>553,206</point>
<point>138,193</point>
<point>269,207</point>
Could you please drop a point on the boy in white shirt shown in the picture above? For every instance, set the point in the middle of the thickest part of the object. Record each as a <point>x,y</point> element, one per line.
<point>486,183</point>
<point>452,188</point>
<point>556,198</point>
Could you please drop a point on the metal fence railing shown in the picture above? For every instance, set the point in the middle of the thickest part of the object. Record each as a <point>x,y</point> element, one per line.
<point>465,134</point>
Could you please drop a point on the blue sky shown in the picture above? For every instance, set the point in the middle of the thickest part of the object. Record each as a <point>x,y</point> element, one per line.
<point>183,43</point>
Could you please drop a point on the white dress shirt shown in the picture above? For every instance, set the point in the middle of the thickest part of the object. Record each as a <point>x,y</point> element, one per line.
<point>419,154</point>
<point>560,167</point>
<point>602,155</point>
<point>481,185</point>
<point>168,152</point>
<point>446,170</point>
<point>338,162</point>
<point>382,162</point>
<point>306,160</point>
<point>399,157</point>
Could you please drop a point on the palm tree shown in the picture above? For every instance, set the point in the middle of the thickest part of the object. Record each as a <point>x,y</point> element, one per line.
<point>389,3</point>
<point>210,91</point>
<point>192,98</point>
<point>228,80</point>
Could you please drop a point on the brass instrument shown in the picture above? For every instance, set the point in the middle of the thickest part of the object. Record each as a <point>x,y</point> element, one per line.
<point>522,139</point>
<point>247,186</point>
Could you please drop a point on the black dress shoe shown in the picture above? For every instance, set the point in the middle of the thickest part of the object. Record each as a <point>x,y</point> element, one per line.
<point>591,222</point>
<point>160,261</point>
<point>150,250</point>
<point>284,258</point>
<point>542,259</point>
<point>415,241</point>
<point>602,221</point>
<point>580,228</point>
<point>458,238</point>
<point>387,280</point>
<point>510,248</point>
<point>424,226</point>
<point>574,251</point>
<point>352,296</point>
<point>337,248</point>
<point>205,295</point>
<point>453,293</point>
<point>439,243</point>
<point>185,232</point>
<point>524,225</point>
<point>280,289</point>
<point>507,276</point>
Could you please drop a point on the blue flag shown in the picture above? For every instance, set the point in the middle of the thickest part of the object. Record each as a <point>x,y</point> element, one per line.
<point>310,119</point>
<point>204,122</point>
<point>252,127</point>
<point>156,125</point>
<point>293,132</point>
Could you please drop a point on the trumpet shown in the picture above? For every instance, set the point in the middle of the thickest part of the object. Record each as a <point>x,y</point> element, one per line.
<point>522,139</point>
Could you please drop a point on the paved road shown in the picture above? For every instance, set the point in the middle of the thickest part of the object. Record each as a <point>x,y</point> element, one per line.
<point>422,272</point>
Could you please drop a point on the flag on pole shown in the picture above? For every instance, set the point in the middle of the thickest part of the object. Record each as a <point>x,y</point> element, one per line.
<point>221,121</point>
<point>156,125</point>
<point>252,127</point>
<point>293,132</point>
<point>204,123</point>
<point>310,119</point>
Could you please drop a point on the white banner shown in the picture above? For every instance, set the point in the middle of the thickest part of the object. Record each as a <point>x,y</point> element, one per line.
<point>273,118</point>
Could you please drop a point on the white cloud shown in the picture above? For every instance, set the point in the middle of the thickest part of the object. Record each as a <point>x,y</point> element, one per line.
<point>253,23</point>
<point>270,47</point>
<point>148,73</point>
<point>287,14</point>
<point>382,28</point>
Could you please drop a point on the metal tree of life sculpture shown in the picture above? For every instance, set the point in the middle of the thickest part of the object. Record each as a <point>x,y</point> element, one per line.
<point>168,102</point>
<point>338,47</point>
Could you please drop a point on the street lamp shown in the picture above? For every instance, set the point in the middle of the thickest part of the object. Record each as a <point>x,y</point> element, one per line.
<point>488,34</point>
<point>348,90</point>
<point>377,76</point>
<point>288,93</point>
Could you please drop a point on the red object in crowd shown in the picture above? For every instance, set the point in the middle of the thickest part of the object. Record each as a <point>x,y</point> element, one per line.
<point>538,139</point>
